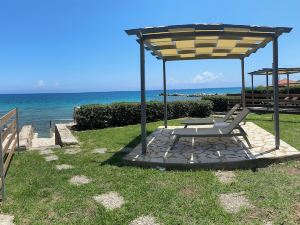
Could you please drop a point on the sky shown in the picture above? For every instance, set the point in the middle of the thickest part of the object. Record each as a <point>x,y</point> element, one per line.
<point>81,46</point>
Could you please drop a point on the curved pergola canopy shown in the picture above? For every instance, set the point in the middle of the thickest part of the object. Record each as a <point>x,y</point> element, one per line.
<point>205,41</point>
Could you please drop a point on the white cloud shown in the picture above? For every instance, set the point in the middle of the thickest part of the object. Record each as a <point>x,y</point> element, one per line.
<point>41,84</point>
<point>204,77</point>
<point>56,84</point>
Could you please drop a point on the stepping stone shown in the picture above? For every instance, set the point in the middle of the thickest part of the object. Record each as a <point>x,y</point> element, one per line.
<point>79,180</point>
<point>50,158</point>
<point>234,202</point>
<point>6,219</point>
<point>100,150</point>
<point>144,220</point>
<point>225,177</point>
<point>46,152</point>
<point>64,167</point>
<point>72,151</point>
<point>111,200</point>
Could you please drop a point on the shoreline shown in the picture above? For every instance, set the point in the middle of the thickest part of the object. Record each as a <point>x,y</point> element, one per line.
<point>39,109</point>
<point>115,91</point>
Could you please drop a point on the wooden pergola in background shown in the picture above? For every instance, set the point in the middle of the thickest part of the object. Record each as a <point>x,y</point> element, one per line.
<point>269,71</point>
<point>205,41</point>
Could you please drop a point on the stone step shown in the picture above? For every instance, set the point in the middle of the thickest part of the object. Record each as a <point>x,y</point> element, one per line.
<point>63,136</point>
<point>26,136</point>
<point>40,143</point>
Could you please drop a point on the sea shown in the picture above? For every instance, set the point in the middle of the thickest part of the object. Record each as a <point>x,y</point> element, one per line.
<point>44,110</point>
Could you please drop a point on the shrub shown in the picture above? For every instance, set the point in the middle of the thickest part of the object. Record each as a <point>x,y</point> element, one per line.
<point>124,114</point>
<point>293,90</point>
<point>282,90</point>
<point>220,102</point>
<point>121,114</point>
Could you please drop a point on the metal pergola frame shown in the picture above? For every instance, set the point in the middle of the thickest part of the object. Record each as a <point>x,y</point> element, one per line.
<point>268,71</point>
<point>148,38</point>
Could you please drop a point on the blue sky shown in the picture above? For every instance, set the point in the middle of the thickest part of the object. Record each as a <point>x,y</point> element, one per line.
<point>81,46</point>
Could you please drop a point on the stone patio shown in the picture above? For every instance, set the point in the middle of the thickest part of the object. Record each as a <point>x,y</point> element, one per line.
<point>217,153</point>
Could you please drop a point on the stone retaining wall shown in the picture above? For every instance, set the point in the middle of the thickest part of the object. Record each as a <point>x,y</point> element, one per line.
<point>63,136</point>
<point>26,136</point>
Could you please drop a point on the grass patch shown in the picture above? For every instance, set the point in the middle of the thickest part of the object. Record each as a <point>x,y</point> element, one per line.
<point>37,193</point>
<point>289,126</point>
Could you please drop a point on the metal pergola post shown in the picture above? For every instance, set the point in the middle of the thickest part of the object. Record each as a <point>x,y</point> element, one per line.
<point>165,95</point>
<point>275,92</point>
<point>143,97</point>
<point>288,83</point>
<point>267,82</point>
<point>243,83</point>
<point>267,86</point>
<point>252,91</point>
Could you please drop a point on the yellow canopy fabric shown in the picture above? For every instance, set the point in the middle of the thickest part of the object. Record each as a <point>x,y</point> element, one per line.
<point>207,41</point>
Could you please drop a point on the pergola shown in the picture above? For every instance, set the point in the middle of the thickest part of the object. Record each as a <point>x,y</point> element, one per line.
<point>269,71</point>
<point>205,41</point>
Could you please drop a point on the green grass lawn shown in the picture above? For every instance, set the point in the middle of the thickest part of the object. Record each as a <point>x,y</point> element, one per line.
<point>39,194</point>
<point>289,126</point>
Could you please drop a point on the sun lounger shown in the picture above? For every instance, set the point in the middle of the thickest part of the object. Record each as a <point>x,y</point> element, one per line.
<point>206,121</point>
<point>227,131</point>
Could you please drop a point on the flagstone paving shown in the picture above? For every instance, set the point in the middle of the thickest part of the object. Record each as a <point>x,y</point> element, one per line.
<point>6,219</point>
<point>100,150</point>
<point>225,177</point>
<point>79,180</point>
<point>50,158</point>
<point>210,152</point>
<point>64,167</point>
<point>234,202</point>
<point>111,200</point>
<point>144,220</point>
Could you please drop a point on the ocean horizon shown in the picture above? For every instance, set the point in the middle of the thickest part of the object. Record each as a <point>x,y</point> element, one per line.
<point>39,109</point>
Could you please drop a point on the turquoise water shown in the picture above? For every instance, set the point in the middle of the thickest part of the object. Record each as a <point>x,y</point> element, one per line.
<point>39,109</point>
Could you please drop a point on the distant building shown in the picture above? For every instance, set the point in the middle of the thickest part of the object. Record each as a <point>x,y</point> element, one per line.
<point>284,82</point>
